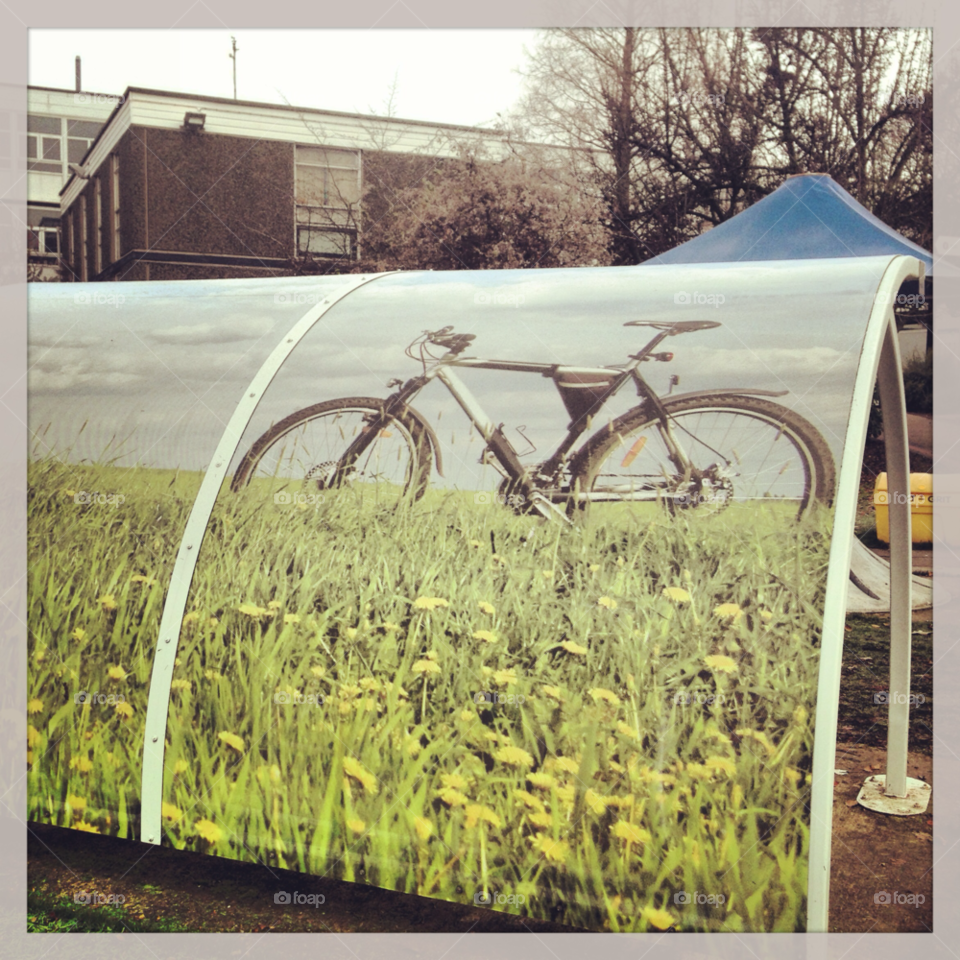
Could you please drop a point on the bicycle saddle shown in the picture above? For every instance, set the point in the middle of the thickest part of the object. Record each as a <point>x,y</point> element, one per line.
<point>680,326</point>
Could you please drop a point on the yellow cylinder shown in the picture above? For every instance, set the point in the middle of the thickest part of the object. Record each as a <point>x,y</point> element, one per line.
<point>921,507</point>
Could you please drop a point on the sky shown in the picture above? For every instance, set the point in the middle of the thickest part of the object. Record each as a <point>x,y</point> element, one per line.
<point>445,76</point>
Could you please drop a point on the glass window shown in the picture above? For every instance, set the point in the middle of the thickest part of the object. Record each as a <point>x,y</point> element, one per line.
<point>43,125</point>
<point>86,129</point>
<point>327,243</point>
<point>77,150</point>
<point>51,148</point>
<point>31,148</point>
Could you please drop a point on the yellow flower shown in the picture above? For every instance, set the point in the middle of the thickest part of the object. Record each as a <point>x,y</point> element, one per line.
<point>504,678</point>
<point>191,617</point>
<point>800,715</point>
<point>574,648</point>
<point>124,710</point>
<point>69,493</point>
<point>627,730</point>
<point>595,802</point>
<point>78,634</point>
<point>677,593</point>
<point>567,793</point>
<point>630,832</point>
<point>476,544</point>
<point>477,813</point>
<point>140,578</point>
<point>354,769</point>
<point>594,567</point>
<point>423,827</point>
<point>599,693</point>
<point>181,766</point>
<point>514,757</point>
<point>699,772</point>
<point>232,740</point>
<point>318,671</point>
<point>541,820</point>
<point>529,799</point>
<point>85,827</point>
<point>76,804</point>
<point>274,604</point>
<point>108,601</point>
<point>213,674</point>
<point>33,736</point>
<point>252,610</point>
<point>792,775</point>
<point>722,763</point>
<point>553,850</point>
<point>452,798</point>
<point>169,812</point>
<point>357,826</point>
<point>181,685</point>
<point>369,683</point>
<point>555,693</point>
<point>567,764</point>
<point>486,635</point>
<point>487,608</point>
<point>34,706</point>
<point>542,781</point>
<point>547,574</point>
<point>759,736</point>
<point>212,621</point>
<point>83,764</point>
<point>607,602</point>
<point>426,666</point>
<point>430,603</point>
<point>291,618</point>
<point>766,614</point>
<point>728,610</point>
<point>658,918</point>
<point>117,673</point>
<point>208,830</point>
<point>718,661</point>
<point>453,780</point>
<point>466,715</point>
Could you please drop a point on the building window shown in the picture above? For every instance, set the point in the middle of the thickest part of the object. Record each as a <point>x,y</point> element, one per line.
<point>43,231</point>
<point>115,202</point>
<point>80,137</point>
<point>98,227</point>
<point>327,184</point>
<point>44,144</point>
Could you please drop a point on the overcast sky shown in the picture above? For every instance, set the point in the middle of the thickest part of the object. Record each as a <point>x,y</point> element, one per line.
<point>448,76</point>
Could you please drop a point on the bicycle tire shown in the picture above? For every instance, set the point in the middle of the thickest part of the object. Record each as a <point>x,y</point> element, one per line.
<point>815,459</point>
<point>370,410</point>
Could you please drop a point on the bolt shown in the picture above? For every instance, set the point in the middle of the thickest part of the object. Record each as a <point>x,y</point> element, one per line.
<point>155,739</point>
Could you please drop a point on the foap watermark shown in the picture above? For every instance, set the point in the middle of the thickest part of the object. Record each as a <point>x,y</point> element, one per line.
<point>96,299</point>
<point>487,497</point>
<point>299,298</point>
<point>493,898</point>
<point>914,499</point>
<point>902,301</point>
<point>101,699</point>
<point>697,299</point>
<point>96,498</point>
<point>296,899</point>
<point>702,699</point>
<point>497,298</point>
<point>907,100</point>
<point>93,898</point>
<point>886,898</point>
<point>89,98</point>
<point>682,898</point>
<point>513,699</point>
<point>884,696</point>
<point>306,699</point>
<point>286,498</point>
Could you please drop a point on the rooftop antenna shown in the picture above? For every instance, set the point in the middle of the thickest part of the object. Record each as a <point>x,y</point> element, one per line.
<point>77,64</point>
<point>233,57</point>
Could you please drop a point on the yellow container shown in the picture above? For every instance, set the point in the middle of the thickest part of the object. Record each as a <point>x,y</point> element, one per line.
<point>921,507</point>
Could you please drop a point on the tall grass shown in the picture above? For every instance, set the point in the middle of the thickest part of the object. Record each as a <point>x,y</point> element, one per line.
<point>643,726</point>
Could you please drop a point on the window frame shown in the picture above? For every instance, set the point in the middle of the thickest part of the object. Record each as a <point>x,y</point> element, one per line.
<point>331,212</point>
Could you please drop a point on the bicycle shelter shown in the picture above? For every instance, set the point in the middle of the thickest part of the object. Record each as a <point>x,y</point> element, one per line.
<point>155,391</point>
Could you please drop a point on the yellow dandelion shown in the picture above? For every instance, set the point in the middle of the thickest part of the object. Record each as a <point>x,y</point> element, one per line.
<point>541,819</point>
<point>181,766</point>
<point>542,781</point>
<point>140,578</point>
<point>555,851</point>
<point>792,775</point>
<point>117,673</point>
<point>232,740</point>
<point>504,678</point>
<point>476,544</point>
<point>487,608</point>
<point>389,627</point>
<point>529,799</point>
<point>759,736</point>
<point>369,684</point>
<point>627,730</point>
<point>108,601</point>
<point>274,605</point>
<point>169,812</point>
<point>181,685</point>
<point>466,715</point>
<point>212,621</point>
<point>766,614</point>
<point>486,635</point>
<point>728,611</point>
<point>252,610</point>
<point>357,826</point>
<point>554,693</point>
<point>453,780</point>
<point>574,648</point>
<point>630,832</point>
<point>124,710</point>
<point>607,696</point>
<point>76,804</point>
<point>718,661</point>
<point>452,797</point>
<point>191,617</point>
<point>477,813</point>
<point>413,747</point>
<point>660,919</point>
<point>607,602</point>
<point>677,594</point>
<point>34,706</point>
<point>85,827</point>
<point>800,715</point>
<point>423,827</point>
<point>722,763</point>
<point>567,764</point>
<point>208,830</point>
<point>547,574</point>
<point>594,567</point>
<point>318,671</point>
<point>356,770</point>
<point>567,793</point>
<point>69,493</point>
<point>430,603</point>
<point>33,736</point>
<point>699,771</point>
<point>213,675</point>
<point>595,802</point>
<point>78,634</point>
<point>514,757</point>
<point>291,618</point>
<point>426,666</point>
<point>83,764</point>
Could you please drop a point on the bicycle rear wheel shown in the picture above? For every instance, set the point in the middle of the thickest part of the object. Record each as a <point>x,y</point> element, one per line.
<point>350,444</point>
<point>742,449</point>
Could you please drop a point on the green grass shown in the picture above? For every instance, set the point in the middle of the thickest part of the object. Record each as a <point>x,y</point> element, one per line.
<point>49,914</point>
<point>596,799</point>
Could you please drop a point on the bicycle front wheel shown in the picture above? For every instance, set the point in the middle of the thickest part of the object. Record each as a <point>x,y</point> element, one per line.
<point>350,444</point>
<point>737,449</point>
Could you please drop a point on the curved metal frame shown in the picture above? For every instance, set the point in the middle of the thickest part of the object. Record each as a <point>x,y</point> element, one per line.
<point>879,357</point>
<point>158,701</point>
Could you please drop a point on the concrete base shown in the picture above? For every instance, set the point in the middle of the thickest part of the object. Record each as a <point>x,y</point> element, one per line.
<point>913,804</point>
<point>869,590</point>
